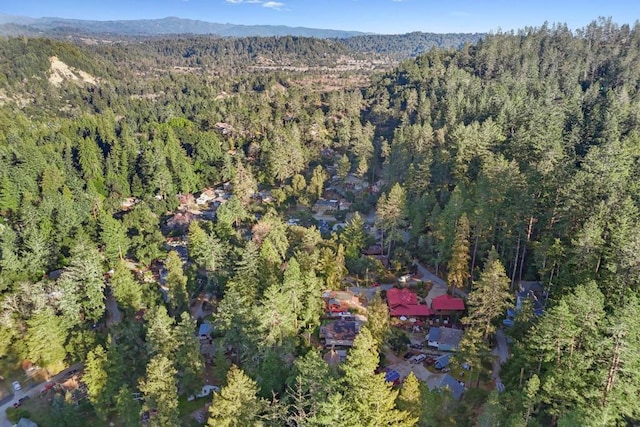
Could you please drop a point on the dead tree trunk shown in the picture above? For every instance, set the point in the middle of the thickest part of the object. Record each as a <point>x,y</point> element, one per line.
<point>613,371</point>
<point>515,265</point>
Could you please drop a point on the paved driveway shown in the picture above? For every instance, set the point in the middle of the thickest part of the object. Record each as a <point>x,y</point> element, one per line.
<point>501,353</point>
<point>113,312</point>
<point>439,285</point>
<point>368,293</point>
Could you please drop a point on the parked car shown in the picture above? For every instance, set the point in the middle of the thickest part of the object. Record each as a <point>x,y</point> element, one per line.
<point>408,356</point>
<point>205,391</point>
<point>16,386</point>
<point>20,401</point>
<point>48,386</point>
<point>418,346</point>
<point>419,358</point>
<point>69,374</point>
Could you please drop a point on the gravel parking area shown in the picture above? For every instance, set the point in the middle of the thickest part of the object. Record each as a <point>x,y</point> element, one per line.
<point>405,367</point>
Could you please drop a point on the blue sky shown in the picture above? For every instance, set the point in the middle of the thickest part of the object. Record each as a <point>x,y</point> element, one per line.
<point>379,16</point>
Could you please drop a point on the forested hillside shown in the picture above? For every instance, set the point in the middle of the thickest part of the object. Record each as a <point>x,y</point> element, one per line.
<point>401,46</point>
<point>213,52</point>
<point>148,189</point>
<point>528,143</point>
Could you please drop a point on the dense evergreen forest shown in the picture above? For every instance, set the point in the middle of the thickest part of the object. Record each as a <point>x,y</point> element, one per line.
<point>511,161</point>
<point>401,46</point>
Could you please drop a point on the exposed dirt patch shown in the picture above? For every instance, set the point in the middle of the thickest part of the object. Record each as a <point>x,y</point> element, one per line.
<point>60,72</point>
<point>21,101</point>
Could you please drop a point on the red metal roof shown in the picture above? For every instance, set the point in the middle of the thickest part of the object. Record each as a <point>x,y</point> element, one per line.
<point>403,302</point>
<point>397,296</point>
<point>447,303</point>
<point>420,310</point>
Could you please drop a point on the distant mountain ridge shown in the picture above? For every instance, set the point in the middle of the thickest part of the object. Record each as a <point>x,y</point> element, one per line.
<point>391,46</point>
<point>17,25</point>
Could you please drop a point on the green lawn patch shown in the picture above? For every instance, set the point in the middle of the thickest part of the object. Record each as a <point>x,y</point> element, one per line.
<point>186,407</point>
<point>41,412</point>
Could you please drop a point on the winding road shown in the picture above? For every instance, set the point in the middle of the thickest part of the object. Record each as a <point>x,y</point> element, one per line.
<point>114,315</point>
<point>501,353</point>
<point>439,285</point>
<point>31,392</point>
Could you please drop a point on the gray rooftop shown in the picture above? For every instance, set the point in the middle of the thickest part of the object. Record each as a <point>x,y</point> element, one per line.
<point>447,382</point>
<point>447,337</point>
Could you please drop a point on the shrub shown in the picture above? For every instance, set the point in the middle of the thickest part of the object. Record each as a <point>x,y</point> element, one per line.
<point>14,414</point>
<point>341,215</point>
<point>398,340</point>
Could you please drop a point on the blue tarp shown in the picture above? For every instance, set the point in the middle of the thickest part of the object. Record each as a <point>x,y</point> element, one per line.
<point>205,329</point>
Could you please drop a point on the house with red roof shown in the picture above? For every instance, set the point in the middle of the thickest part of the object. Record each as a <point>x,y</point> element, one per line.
<point>340,301</point>
<point>447,305</point>
<point>403,302</point>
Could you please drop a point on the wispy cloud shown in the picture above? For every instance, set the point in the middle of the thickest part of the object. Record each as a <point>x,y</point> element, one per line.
<point>268,4</point>
<point>273,4</point>
<point>243,1</point>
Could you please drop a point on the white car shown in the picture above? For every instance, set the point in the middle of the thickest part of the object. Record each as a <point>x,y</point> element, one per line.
<point>418,358</point>
<point>404,279</point>
<point>16,386</point>
<point>206,391</point>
